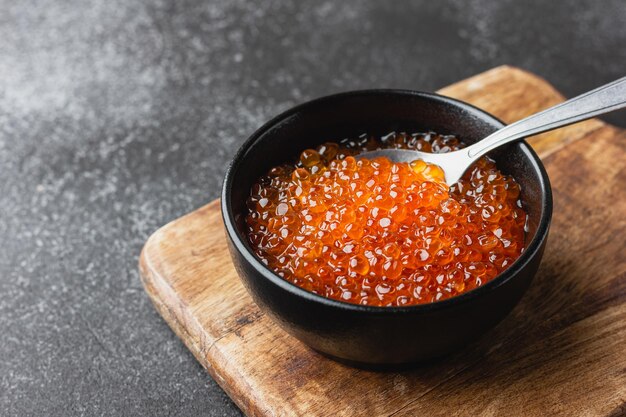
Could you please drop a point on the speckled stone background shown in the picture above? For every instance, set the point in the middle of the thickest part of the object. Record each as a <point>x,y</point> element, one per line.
<point>117,116</point>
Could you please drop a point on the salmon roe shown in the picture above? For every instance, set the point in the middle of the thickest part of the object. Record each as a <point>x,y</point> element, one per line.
<point>380,233</point>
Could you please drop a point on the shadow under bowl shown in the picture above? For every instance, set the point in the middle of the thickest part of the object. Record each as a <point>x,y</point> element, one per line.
<point>382,336</point>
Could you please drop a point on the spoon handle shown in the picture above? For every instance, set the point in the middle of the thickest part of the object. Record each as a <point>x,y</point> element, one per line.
<point>602,100</point>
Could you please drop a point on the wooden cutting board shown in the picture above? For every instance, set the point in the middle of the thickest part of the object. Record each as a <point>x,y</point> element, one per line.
<point>562,351</point>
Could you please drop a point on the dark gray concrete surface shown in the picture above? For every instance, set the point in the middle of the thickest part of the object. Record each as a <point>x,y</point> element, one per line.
<point>118,116</point>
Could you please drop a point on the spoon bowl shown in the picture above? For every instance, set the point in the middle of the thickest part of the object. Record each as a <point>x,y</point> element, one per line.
<point>454,164</point>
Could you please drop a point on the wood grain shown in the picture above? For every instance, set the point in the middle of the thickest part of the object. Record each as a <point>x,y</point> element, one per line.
<point>562,351</point>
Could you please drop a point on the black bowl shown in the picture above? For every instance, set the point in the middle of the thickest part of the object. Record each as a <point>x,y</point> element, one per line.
<point>365,335</point>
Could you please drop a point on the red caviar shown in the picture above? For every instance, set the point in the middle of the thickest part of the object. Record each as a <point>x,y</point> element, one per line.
<point>380,233</point>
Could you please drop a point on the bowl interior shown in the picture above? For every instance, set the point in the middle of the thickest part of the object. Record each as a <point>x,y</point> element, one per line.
<point>377,112</point>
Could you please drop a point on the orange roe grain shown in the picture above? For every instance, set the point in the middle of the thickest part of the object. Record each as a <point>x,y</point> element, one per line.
<point>380,233</point>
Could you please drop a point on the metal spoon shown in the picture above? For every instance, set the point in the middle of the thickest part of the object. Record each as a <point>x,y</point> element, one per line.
<point>602,100</point>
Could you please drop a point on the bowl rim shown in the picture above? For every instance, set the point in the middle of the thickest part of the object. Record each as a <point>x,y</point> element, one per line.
<point>520,263</point>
